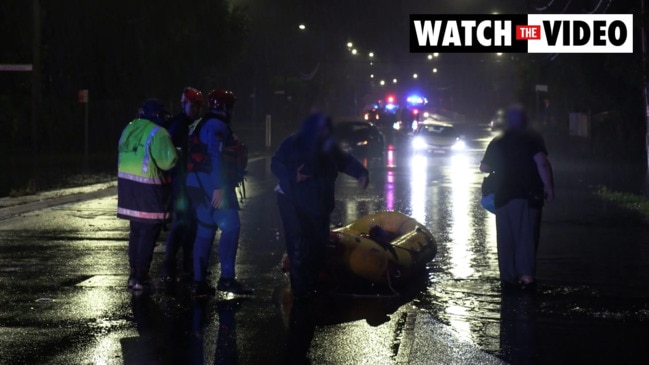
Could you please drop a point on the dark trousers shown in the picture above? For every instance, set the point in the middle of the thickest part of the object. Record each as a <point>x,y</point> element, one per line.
<point>141,242</point>
<point>181,235</point>
<point>518,228</point>
<point>183,228</point>
<point>306,238</point>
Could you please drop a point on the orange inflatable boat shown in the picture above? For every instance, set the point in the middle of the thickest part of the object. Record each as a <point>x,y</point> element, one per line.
<point>384,248</point>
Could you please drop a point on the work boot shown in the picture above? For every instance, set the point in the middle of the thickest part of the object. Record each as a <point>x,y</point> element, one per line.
<point>131,279</point>
<point>169,271</point>
<point>202,289</point>
<point>143,282</point>
<point>233,286</point>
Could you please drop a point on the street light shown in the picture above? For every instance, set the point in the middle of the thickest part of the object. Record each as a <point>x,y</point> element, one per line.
<point>350,45</point>
<point>435,54</point>
<point>382,82</point>
<point>302,26</point>
<point>394,81</point>
<point>430,56</point>
<point>371,76</point>
<point>354,51</point>
<point>499,54</point>
<point>371,54</point>
<point>435,70</point>
<point>414,76</point>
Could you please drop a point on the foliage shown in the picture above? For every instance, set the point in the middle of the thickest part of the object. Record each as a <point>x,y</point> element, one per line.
<point>634,202</point>
<point>29,189</point>
<point>123,52</point>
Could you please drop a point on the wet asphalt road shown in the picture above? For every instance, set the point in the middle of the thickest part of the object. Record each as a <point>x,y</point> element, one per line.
<point>63,273</point>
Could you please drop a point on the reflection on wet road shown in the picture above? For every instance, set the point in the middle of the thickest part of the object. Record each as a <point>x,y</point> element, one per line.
<point>463,287</point>
<point>63,270</point>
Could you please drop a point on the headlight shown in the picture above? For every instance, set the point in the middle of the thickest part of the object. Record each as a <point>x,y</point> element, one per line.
<point>361,143</point>
<point>459,145</point>
<point>396,125</point>
<point>419,143</point>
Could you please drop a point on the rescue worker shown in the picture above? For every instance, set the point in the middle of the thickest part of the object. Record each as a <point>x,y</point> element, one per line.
<point>211,183</point>
<point>145,151</point>
<point>183,228</point>
<point>307,164</point>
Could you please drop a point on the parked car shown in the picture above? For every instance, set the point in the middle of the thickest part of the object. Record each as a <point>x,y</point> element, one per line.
<point>360,138</point>
<point>437,137</point>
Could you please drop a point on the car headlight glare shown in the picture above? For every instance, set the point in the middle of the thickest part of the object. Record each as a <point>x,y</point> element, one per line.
<point>459,145</point>
<point>419,143</point>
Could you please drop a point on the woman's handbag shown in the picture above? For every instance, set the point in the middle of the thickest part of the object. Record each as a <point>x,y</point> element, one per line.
<point>488,193</point>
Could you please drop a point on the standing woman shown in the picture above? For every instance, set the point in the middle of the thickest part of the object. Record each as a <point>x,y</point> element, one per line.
<point>519,160</point>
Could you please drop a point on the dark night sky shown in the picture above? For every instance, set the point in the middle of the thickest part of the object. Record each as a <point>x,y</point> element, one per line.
<point>125,52</point>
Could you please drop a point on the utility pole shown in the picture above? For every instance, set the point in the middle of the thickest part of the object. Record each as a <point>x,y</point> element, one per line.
<point>645,58</point>
<point>36,78</point>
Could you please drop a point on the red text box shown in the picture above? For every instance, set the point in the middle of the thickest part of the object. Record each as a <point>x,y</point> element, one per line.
<point>528,32</point>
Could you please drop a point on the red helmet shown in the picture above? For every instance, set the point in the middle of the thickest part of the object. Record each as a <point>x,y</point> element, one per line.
<point>192,95</point>
<point>218,98</point>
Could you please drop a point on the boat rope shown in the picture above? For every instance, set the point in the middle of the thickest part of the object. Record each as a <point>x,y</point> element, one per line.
<point>395,294</point>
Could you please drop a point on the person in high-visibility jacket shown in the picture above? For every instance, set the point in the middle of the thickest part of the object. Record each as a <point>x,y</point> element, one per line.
<point>145,152</point>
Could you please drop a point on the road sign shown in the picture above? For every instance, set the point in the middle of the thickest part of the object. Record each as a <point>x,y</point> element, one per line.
<point>83,96</point>
<point>83,99</point>
<point>16,68</point>
<point>542,88</point>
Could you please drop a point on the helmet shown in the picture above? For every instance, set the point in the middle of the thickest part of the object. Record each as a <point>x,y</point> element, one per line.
<point>152,107</point>
<point>192,95</point>
<point>218,99</point>
<point>153,110</point>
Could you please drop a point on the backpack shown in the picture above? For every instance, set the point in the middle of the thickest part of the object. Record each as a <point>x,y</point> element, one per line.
<point>198,160</point>
<point>234,154</point>
<point>235,158</point>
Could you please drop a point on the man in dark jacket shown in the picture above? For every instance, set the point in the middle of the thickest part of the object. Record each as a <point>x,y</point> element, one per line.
<point>183,228</point>
<point>524,180</point>
<point>307,164</point>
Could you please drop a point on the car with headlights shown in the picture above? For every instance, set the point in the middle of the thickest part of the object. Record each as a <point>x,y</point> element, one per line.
<point>360,138</point>
<point>437,137</point>
<point>497,122</point>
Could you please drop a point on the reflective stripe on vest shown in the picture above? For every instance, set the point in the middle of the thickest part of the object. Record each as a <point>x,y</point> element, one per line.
<point>143,215</point>
<point>147,148</point>
<point>140,179</point>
